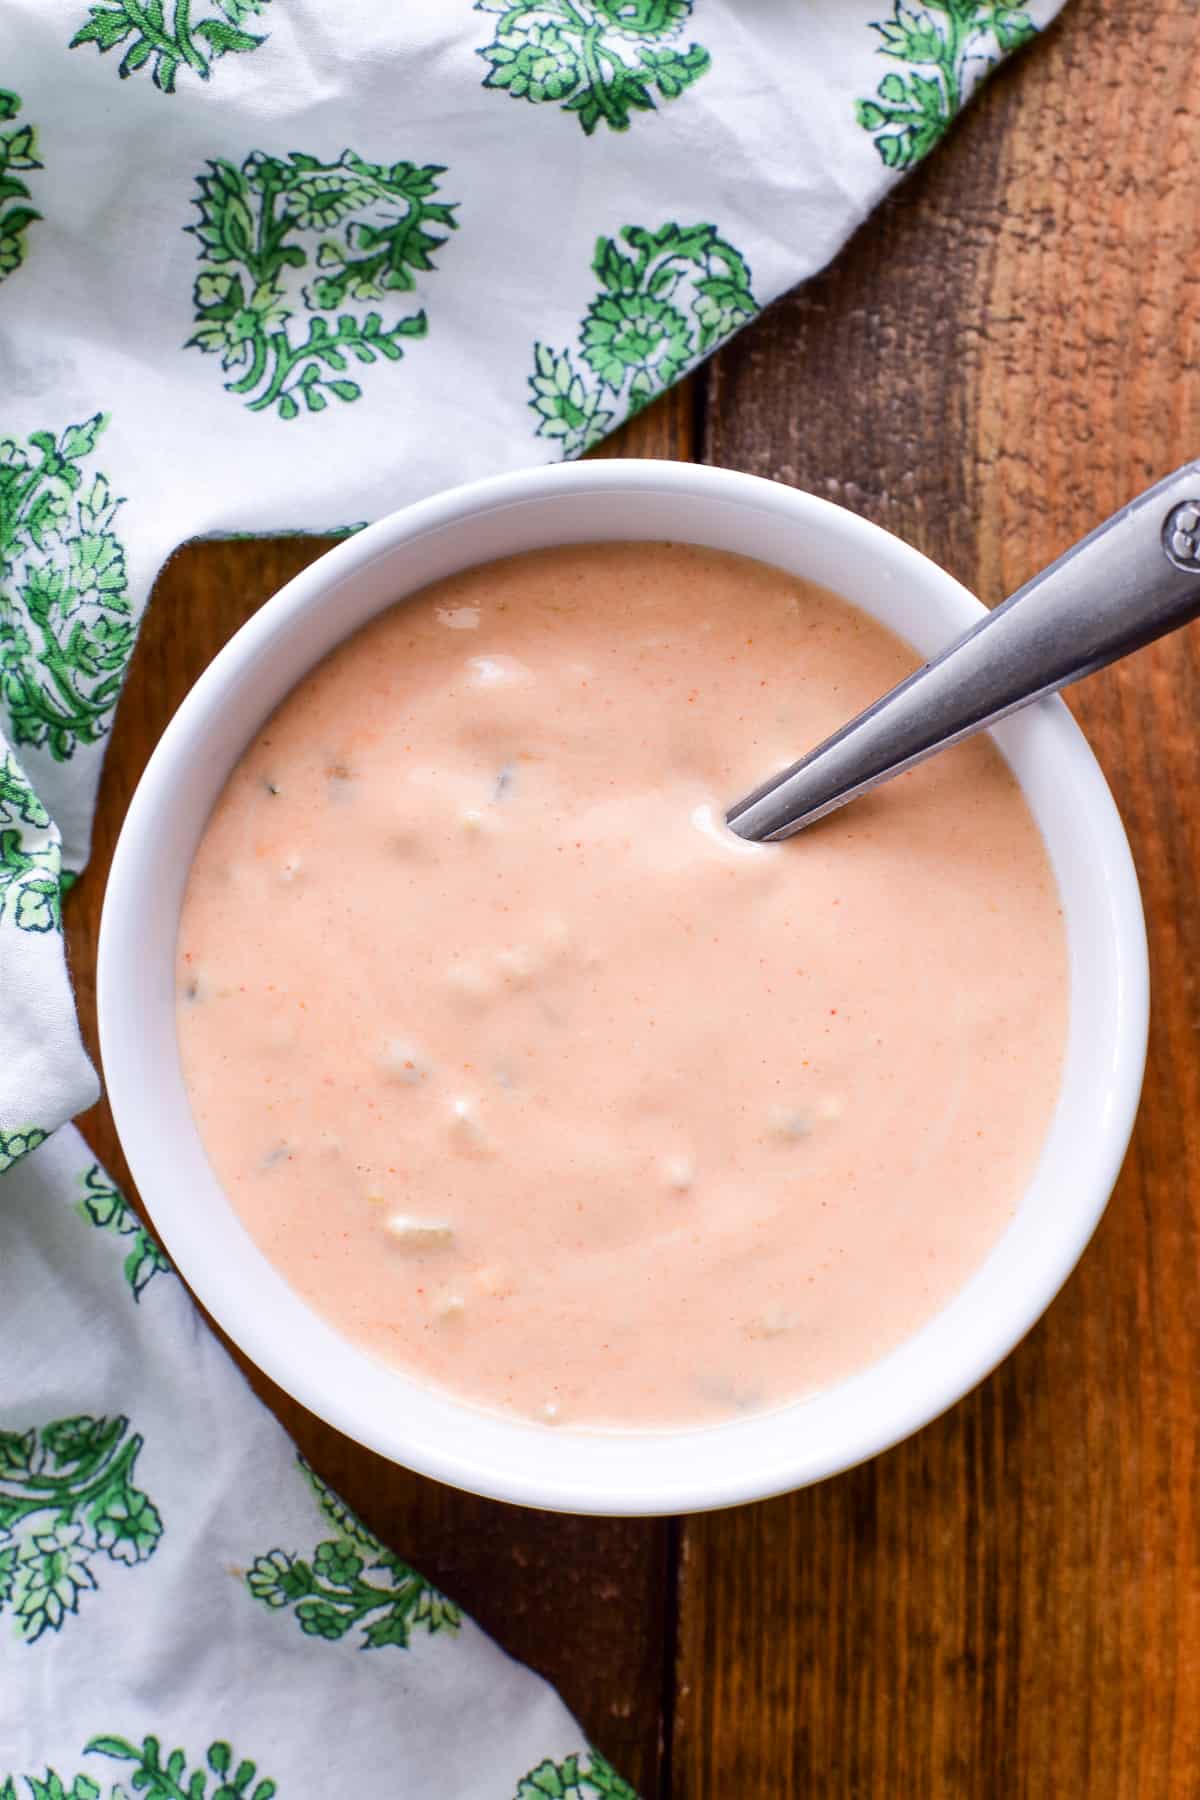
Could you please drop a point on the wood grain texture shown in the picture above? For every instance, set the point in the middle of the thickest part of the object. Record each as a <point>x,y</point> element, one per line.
<point>1009,1604</point>
<point>583,1601</point>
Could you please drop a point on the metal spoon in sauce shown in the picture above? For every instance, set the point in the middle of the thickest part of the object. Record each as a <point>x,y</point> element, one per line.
<point>1131,580</point>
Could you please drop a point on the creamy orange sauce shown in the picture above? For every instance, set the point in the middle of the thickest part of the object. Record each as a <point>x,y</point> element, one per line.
<point>539,1083</point>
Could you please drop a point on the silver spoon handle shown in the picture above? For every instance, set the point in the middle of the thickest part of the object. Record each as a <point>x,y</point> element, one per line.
<point>1126,583</point>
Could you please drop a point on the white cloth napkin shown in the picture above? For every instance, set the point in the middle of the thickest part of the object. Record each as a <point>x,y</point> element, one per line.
<point>270,265</point>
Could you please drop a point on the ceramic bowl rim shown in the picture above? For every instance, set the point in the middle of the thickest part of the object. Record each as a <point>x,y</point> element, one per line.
<point>751,1458</point>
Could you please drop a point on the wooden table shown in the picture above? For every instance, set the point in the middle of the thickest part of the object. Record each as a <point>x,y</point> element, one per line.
<point>1009,1604</point>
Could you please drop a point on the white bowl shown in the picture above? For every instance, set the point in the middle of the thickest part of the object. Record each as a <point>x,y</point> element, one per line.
<point>612,1472</point>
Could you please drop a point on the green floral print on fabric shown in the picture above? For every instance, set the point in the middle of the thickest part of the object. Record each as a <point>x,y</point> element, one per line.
<point>16,1144</point>
<point>30,859</point>
<point>586,1778</point>
<point>152,1776</point>
<point>372,229</point>
<point>598,59</point>
<point>106,1207</point>
<point>170,45</point>
<point>946,44</point>
<point>17,157</point>
<point>66,625</point>
<point>50,1787</point>
<point>660,309</point>
<point>67,1498</point>
<point>156,1778</point>
<point>331,1593</point>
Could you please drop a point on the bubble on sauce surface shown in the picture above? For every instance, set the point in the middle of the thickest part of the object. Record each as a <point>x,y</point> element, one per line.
<point>498,672</point>
<point>477,824</point>
<point>468,1133</point>
<point>773,1323</point>
<point>678,1172</point>
<point>402,1061</point>
<point>410,1233</point>
<point>519,965</point>
<point>457,618</point>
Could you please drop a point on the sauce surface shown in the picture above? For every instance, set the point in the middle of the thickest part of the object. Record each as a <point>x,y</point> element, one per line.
<point>534,1079</point>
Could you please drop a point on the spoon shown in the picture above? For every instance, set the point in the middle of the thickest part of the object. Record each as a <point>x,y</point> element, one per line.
<point>1131,580</point>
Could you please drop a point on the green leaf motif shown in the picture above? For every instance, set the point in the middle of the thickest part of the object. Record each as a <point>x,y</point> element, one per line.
<point>588,1777</point>
<point>30,879</point>
<point>66,626</point>
<point>18,156</point>
<point>948,45</point>
<point>51,1786</point>
<point>68,1500</point>
<point>362,232</point>
<point>220,1776</point>
<point>669,300</point>
<point>598,59</point>
<point>81,1444</point>
<point>16,1144</point>
<point>156,1777</point>
<point>105,1207</point>
<point>332,1592</point>
<point>169,47</point>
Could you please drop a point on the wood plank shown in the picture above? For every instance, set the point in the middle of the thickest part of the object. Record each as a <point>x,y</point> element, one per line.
<point>584,1601</point>
<point>1009,1604</point>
